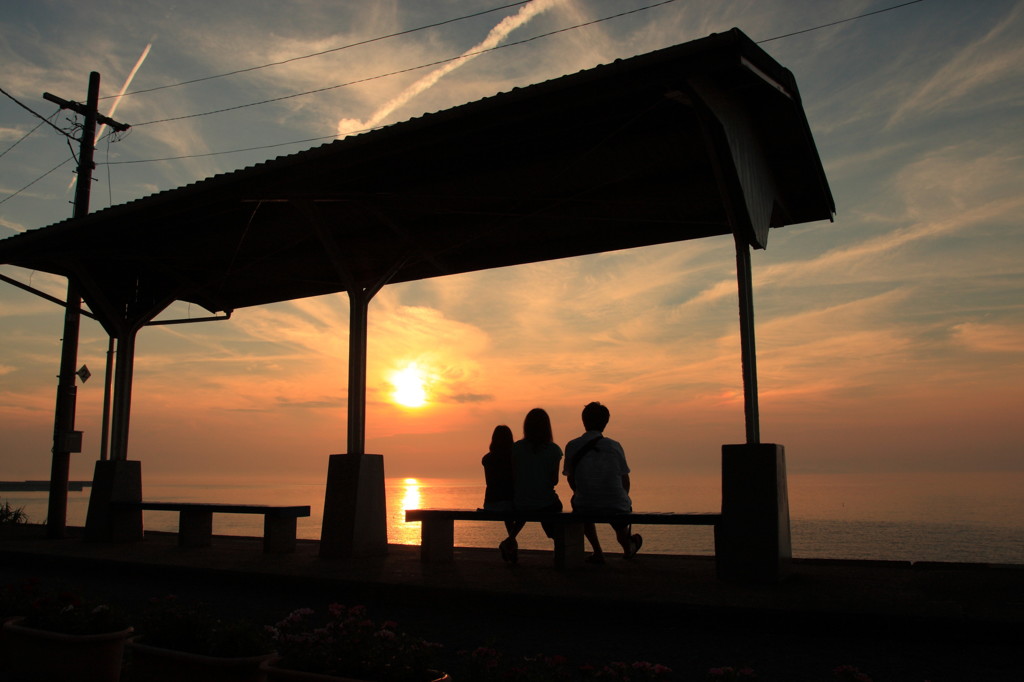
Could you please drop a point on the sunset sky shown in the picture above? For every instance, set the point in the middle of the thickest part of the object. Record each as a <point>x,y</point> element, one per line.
<point>889,340</point>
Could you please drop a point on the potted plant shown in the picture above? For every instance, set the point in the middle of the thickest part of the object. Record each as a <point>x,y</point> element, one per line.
<point>178,640</point>
<point>487,664</point>
<point>344,644</point>
<point>60,635</point>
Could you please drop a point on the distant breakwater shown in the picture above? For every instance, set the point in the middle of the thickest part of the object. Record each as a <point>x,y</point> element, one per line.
<point>75,486</point>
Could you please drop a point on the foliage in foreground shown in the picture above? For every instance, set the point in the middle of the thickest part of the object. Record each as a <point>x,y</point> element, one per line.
<point>12,515</point>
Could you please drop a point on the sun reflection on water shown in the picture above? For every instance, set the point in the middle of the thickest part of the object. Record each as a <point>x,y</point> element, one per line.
<point>411,497</point>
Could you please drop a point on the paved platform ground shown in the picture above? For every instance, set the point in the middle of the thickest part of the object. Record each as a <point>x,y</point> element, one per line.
<point>893,620</point>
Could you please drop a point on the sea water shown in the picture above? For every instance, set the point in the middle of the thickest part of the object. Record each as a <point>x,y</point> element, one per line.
<point>976,517</point>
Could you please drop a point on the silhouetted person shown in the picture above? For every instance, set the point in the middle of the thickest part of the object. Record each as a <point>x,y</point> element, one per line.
<point>599,477</point>
<point>535,461</point>
<point>499,476</point>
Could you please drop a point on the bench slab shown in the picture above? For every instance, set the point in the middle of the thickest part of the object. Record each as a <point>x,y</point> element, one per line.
<point>195,521</point>
<point>437,543</point>
<point>222,508</point>
<point>645,518</point>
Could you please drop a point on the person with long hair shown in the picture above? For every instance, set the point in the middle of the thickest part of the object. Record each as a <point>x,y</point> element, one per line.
<point>498,470</point>
<point>499,476</point>
<point>535,460</point>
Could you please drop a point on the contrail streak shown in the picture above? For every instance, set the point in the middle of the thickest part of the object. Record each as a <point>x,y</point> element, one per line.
<point>494,37</point>
<point>117,99</point>
<point>127,83</point>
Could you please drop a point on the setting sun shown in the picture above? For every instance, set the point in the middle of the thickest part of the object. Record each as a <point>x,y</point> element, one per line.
<point>410,389</point>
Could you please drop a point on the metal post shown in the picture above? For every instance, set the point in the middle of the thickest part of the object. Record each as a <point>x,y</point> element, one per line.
<point>359,303</point>
<point>108,379</point>
<point>122,394</point>
<point>748,348</point>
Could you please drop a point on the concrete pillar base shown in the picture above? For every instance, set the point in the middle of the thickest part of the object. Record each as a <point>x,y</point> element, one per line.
<point>115,481</point>
<point>355,513</point>
<point>752,541</point>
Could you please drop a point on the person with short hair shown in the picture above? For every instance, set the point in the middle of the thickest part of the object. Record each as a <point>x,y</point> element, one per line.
<point>598,475</point>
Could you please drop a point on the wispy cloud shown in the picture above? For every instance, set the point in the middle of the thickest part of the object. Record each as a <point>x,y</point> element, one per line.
<point>494,37</point>
<point>966,79</point>
<point>990,338</point>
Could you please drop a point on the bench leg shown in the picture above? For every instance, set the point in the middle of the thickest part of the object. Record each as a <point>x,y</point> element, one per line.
<point>279,534</point>
<point>195,528</point>
<point>437,541</point>
<point>569,551</point>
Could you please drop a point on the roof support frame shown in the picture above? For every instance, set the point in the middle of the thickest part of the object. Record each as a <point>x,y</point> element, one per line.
<point>359,296</point>
<point>738,199</point>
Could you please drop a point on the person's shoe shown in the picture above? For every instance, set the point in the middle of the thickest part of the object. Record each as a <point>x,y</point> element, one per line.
<point>637,542</point>
<point>509,549</point>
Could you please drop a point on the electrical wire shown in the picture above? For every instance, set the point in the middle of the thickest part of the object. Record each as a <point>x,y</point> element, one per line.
<point>110,182</point>
<point>11,196</point>
<point>322,52</point>
<point>24,137</point>
<point>235,151</point>
<point>410,69</point>
<point>39,116</point>
<point>328,137</point>
<point>840,21</point>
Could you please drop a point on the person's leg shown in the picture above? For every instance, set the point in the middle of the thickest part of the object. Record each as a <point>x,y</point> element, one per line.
<point>630,542</point>
<point>590,532</point>
<point>623,536</point>
<point>509,547</point>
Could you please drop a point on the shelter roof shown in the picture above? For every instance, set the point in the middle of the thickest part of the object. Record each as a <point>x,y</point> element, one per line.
<point>691,141</point>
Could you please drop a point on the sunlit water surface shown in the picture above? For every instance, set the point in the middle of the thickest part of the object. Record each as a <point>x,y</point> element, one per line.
<point>911,517</point>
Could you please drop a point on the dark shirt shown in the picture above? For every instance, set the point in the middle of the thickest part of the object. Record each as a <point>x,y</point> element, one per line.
<point>499,478</point>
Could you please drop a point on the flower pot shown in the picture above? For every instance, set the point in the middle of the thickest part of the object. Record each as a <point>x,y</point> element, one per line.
<point>29,653</point>
<point>157,664</point>
<point>276,674</point>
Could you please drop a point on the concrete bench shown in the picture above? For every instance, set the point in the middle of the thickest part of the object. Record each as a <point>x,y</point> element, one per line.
<point>437,531</point>
<point>195,521</point>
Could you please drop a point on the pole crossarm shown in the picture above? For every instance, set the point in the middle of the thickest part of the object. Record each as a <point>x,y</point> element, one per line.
<point>84,110</point>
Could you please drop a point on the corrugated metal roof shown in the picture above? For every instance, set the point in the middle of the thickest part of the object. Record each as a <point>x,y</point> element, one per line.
<point>686,142</point>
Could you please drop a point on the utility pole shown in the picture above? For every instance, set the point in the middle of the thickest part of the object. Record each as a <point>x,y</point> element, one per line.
<point>65,439</point>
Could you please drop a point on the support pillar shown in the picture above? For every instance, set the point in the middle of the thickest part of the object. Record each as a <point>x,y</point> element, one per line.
<point>359,304</point>
<point>748,347</point>
<point>355,512</point>
<point>122,402</point>
<point>752,541</point>
<point>115,481</point>
<point>118,479</point>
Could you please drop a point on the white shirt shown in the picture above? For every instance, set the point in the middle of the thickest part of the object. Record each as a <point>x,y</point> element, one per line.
<point>598,477</point>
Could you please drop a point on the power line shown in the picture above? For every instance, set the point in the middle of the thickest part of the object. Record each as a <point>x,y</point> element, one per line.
<point>322,52</point>
<point>232,151</point>
<point>327,137</point>
<point>840,21</point>
<point>11,196</point>
<point>25,136</point>
<point>39,116</point>
<point>410,69</point>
